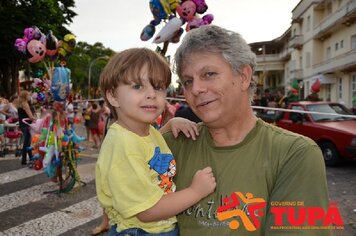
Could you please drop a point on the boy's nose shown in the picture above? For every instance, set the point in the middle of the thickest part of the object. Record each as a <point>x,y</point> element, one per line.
<point>150,93</point>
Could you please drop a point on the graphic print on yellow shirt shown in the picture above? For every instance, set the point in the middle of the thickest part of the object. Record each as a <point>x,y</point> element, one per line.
<point>165,165</point>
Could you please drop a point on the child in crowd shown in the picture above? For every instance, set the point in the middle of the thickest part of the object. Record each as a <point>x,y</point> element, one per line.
<point>135,168</point>
<point>2,129</point>
<point>94,112</point>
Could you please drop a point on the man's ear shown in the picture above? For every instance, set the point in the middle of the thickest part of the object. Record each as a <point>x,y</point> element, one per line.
<point>246,76</point>
<point>112,99</point>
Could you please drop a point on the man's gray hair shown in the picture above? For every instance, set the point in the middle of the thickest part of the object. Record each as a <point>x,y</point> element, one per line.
<point>214,39</point>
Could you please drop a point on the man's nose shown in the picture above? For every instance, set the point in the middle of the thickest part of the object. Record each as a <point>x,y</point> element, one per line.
<point>198,87</point>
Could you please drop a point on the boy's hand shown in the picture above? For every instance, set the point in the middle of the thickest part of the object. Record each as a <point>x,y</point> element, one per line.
<point>189,128</point>
<point>203,182</point>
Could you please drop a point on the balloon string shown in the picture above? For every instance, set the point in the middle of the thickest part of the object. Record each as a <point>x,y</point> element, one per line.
<point>49,69</point>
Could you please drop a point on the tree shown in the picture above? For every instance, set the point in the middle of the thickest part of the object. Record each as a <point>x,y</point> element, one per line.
<point>79,63</point>
<point>15,16</point>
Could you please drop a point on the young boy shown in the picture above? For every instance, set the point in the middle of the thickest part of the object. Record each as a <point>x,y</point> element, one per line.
<point>135,168</point>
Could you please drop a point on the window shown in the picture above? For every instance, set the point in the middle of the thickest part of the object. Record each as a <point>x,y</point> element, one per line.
<point>341,44</point>
<point>308,23</point>
<point>294,116</point>
<point>328,53</point>
<point>353,86</point>
<point>336,46</point>
<point>353,42</point>
<point>329,8</point>
<point>340,88</point>
<point>300,62</point>
<point>307,60</point>
<point>286,72</point>
<point>328,92</point>
<point>327,108</point>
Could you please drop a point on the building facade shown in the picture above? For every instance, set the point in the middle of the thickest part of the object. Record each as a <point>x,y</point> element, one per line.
<point>319,45</point>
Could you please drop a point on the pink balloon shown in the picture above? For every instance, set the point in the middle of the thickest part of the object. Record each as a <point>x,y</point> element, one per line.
<point>36,51</point>
<point>186,10</point>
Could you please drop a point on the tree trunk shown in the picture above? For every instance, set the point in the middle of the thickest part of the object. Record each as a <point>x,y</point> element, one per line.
<point>15,83</point>
<point>9,76</point>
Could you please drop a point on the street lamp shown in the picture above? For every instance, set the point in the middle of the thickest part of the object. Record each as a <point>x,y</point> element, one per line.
<point>89,73</point>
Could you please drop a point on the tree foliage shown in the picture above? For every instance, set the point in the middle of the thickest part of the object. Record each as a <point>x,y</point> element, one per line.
<point>84,54</point>
<point>15,16</point>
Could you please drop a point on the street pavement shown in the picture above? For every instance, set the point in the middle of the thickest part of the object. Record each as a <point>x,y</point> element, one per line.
<point>25,208</point>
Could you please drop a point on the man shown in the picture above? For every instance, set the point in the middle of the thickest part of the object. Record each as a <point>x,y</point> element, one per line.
<point>258,167</point>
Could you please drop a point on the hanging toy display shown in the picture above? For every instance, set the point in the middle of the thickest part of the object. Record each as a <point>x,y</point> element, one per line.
<point>174,14</point>
<point>60,83</point>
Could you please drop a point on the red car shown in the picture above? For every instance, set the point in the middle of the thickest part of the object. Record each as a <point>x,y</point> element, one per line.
<point>335,132</point>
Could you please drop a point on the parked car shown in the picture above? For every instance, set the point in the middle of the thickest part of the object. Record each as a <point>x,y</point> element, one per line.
<point>335,132</point>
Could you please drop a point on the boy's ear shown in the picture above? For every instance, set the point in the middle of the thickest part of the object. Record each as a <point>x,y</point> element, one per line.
<point>111,99</point>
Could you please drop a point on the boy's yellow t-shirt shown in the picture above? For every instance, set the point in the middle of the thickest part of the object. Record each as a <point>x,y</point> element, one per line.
<point>132,174</point>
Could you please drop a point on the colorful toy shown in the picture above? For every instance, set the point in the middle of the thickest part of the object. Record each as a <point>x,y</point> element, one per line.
<point>201,6</point>
<point>169,31</point>
<point>197,22</point>
<point>51,44</point>
<point>177,13</point>
<point>66,46</point>
<point>32,32</point>
<point>161,10</point>
<point>36,50</point>
<point>186,10</point>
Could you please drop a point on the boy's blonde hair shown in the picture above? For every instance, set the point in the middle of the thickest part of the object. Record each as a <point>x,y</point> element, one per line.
<point>126,66</point>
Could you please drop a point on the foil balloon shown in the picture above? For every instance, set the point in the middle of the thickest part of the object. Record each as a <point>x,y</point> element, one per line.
<point>148,32</point>
<point>196,22</point>
<point>161,10</point>
<point>66,46</point>
<point>201,6</point>
<point>41,97</point>
<point>51,44</point>
<point>60,83</point>
<point>169,30</point>
<point>186,10</point>
<point>21,45</point>
<point>32,32</point>
<point>36,50</point>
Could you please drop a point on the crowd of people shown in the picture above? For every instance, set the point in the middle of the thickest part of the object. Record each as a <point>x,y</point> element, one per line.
<point>14,110</point>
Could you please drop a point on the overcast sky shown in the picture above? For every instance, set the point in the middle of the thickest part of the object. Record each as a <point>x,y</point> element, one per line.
<point>118,23</point>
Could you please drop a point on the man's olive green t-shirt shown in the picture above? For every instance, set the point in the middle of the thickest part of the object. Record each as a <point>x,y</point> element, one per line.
<point>270,166</point>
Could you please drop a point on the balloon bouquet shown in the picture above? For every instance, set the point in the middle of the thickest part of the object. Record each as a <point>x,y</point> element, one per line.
<point>54,144</point>
<point>175,14</point>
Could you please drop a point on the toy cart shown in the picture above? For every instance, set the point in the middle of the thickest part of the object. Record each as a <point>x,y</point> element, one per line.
<point>12,137</point>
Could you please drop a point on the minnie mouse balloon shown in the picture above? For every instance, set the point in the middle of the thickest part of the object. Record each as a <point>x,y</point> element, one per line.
<point>36,50</point>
